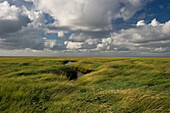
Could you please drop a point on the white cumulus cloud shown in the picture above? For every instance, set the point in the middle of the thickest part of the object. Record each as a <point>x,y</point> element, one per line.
<point>8,12</point>
<point>73,45</point>
<point>166,28</point>
<point>141,23</point>
<point>49,43</point>
<point>155,22</point>
<point>145,39</point>
<point>93,15</point>
<point>60,34</point>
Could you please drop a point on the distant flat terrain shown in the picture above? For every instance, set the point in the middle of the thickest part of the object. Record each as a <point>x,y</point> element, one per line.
<point>111,84</point>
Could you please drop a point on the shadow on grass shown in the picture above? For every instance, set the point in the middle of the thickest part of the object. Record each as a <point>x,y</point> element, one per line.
<point>58,70</point>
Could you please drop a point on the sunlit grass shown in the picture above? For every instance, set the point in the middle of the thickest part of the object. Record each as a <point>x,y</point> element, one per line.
<point>41,84</point>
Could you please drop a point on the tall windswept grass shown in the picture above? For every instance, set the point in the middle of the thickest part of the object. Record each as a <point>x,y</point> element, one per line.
<point>112,84</point>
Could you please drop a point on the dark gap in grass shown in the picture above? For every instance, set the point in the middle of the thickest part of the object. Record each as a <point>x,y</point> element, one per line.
<point>77,69</point>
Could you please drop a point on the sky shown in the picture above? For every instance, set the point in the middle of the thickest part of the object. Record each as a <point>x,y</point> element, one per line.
<point>85,28</point>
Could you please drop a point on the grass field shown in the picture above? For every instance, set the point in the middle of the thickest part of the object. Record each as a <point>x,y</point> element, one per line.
<point>114,84</point>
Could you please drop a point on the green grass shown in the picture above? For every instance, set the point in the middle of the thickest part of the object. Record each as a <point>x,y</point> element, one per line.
<point>118,85</point>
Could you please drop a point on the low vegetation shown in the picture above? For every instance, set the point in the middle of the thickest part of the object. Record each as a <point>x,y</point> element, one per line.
<point>118,85</point>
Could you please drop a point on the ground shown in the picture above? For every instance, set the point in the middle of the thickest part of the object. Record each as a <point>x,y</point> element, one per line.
<point>112,84</point>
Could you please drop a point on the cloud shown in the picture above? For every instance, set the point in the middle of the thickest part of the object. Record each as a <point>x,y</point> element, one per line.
<point>151,38</point>
<point>60,34</point>
<point>166,28</point>
<point>86,26</point>
<point>73,45</point>
<point>20,28</point>
<point>81,41</point>
<point>19,3</point>
<point>106,44</point>
<point>91,42</point>
<point>49,43</point>
<point>8,12</point>
<point>12,18</point>
<point>155,22</point>
<point>78,37</point>
<point>130,8</point>
<point>22,39</point>
<point>142,40</point>
<point>141,23</point>
<point>93,15</point>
